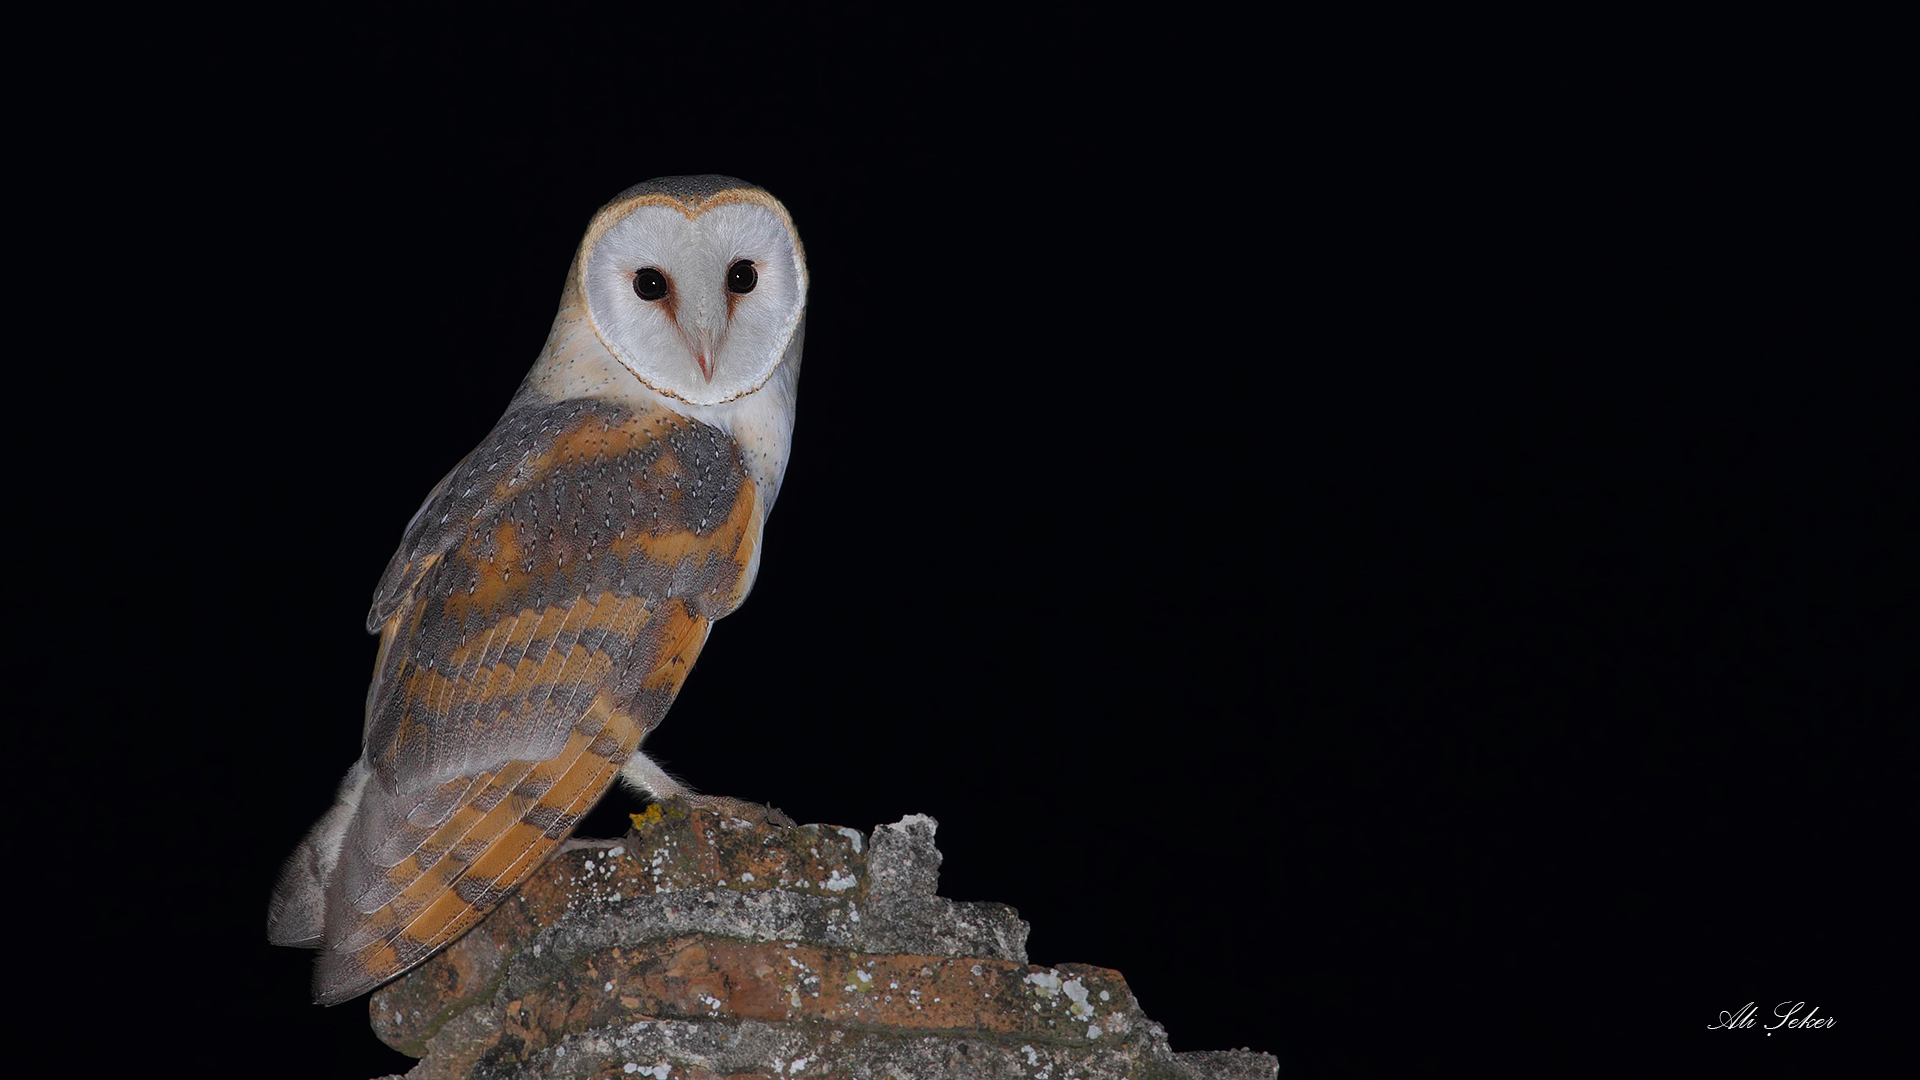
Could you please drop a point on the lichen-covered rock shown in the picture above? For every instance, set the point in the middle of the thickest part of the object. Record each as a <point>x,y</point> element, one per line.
<point>707,947</point>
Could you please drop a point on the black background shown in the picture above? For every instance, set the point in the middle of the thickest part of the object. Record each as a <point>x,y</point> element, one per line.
<point>1401,550</point>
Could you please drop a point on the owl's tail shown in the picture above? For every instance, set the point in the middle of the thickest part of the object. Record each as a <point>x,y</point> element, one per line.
<point>297,915</point>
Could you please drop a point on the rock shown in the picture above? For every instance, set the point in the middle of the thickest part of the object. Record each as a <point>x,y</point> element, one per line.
<point>707,947</point>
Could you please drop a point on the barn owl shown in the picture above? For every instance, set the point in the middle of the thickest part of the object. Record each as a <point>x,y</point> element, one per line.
<point>551,594</point>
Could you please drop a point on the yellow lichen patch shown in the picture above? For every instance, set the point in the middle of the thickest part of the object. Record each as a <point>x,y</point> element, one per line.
<point>651,816</point>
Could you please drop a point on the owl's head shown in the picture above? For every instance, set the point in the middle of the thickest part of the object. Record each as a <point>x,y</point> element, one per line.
<point>696,284</point>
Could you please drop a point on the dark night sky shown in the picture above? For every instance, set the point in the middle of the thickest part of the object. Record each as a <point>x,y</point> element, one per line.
<point>1402,558</point>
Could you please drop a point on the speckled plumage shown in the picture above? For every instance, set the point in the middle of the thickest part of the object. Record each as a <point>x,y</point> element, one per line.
<point>550,596</point>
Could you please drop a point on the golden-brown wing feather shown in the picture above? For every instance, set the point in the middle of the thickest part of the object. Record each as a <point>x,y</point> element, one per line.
<point>539,618</point>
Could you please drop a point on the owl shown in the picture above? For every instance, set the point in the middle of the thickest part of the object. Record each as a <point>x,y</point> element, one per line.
<point>551,594</point>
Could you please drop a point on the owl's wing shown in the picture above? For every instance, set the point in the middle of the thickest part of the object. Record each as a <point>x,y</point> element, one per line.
<point>547,605</point>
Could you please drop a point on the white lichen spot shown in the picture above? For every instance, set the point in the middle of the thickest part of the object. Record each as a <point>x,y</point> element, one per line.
<point>1093,1031</point>
<point>976,969</point>
<point>1104,996</point>
<point>615,852</point>
<point>1032,1058</point>
<point>853,835</point>
<point>1047,982</point>
<point>1077,990</point>
<point>798,1064</point>
<point>838,882</point>
<point>538,949</point>
<point>746,876</point>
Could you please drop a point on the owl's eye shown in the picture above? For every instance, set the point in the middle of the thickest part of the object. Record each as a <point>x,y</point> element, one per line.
<point>741,277</point>
<point>650,284</point>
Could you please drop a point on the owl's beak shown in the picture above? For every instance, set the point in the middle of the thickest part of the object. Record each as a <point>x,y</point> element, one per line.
<point>701,344</point>
<point>703,349</point>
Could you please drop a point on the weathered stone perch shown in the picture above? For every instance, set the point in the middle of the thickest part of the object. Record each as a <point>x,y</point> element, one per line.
<point>705,947</point>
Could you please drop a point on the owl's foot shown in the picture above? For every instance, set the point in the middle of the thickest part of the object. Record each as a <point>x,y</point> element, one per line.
<point>642,773</point>
<point>758,813</point>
